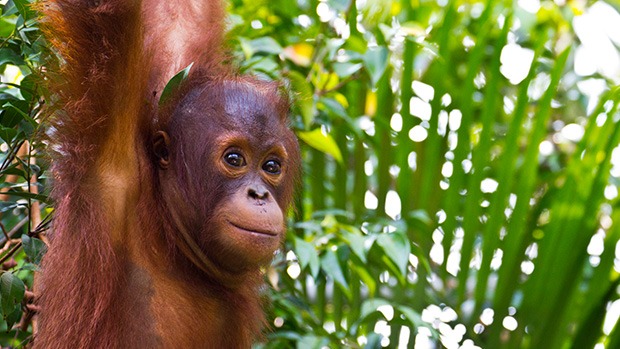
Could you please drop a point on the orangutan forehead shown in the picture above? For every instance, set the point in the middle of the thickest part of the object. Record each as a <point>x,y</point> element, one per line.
<point>247,105</point>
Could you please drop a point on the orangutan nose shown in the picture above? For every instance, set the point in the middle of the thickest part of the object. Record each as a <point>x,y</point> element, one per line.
<point>258,192</point>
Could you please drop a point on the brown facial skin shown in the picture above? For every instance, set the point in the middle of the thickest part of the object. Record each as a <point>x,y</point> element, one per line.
<point>233,163</point>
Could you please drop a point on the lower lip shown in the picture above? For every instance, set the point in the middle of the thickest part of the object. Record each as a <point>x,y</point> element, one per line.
<point>255,232</point>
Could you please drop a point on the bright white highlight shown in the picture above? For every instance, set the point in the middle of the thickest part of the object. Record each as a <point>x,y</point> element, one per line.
<point>420,108</point>
<point>370,200</point>
<point>418,133</point>
<point>573,132</point>
<point>488,185</point>
<point>516,62</point>
<point>392,204</point>
<point>424,91</point>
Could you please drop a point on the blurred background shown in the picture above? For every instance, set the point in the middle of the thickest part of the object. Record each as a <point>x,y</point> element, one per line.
<point>461,170</point>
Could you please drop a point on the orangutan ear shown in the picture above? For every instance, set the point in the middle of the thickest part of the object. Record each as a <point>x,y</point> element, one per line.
<point>161,142</point>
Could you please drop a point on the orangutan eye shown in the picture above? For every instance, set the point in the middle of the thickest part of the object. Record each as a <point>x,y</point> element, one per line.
<point>235,159</point>
<point>272,167</point>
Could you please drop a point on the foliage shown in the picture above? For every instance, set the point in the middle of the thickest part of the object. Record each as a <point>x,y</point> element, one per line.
<point>22,205</point>
<point>442,202</point>
<point>430,199</point>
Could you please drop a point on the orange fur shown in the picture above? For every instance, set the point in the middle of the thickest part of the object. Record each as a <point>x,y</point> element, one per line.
<point>113,277</point>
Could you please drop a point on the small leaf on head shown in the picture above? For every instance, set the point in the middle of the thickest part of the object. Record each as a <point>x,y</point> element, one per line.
<point>173,84</point>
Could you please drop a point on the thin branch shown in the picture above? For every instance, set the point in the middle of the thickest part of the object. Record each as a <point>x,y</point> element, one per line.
<point>43,225</point>
<point>15,229</point>
<point>11,155</point>
<point>6,236</point>
<point>338,86</point>
<point>11,252</point>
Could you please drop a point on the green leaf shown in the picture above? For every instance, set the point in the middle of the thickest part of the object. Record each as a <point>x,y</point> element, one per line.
<point>24,7</point>
<point>265,45</point>
<point>7,25</point>
<point>265,64</point>
<point>333,107</point>
<point>370,306</point>
<point>14,112</point>
<point>28,87</point>
<point>346,69</point>
<point>15,170</point>
<point>356,44</point>
<point>376,61</point>
<point>307,255</point>
<point>28,195</point>
<point>29,267</point>
<point>412,315</point>
<point>303,97</point>
<point>397,248</point>
<point>173,84</point>
<point>366,278</point>
<point>34,248</point>
<point>373,341</point>
<point>7,134</point>
<point>321,142</point>
<point>290,335</point>
<point>312,342</point>
<point>355,241</point>
<point>8,55</point>
<point>331,267</point>
<point>12,291</point>
<point>339,5</point>
<point>14,317</point>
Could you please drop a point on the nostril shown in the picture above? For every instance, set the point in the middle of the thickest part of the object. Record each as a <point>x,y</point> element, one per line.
<point>258,194</point>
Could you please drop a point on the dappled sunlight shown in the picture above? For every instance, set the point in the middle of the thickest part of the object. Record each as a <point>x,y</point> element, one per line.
<point>516,62</point>
<point>420,108</point>
<point>598,30</point>
<point>461,170</point>
<point>418,133</point>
